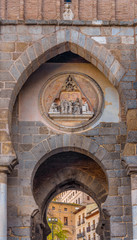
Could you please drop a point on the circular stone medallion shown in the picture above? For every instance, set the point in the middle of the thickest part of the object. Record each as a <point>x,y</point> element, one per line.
<point>71,101</point>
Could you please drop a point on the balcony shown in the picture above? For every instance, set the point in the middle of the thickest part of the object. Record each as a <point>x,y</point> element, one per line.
<point>81,235</point>
<point>78,223</point>
<point>93,227</point>
<point>88,229</point>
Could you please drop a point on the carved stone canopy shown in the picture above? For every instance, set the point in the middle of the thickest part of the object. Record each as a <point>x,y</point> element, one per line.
<point>70,101</point>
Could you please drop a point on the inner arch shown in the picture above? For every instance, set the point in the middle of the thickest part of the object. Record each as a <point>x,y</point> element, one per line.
<point>65,171</point>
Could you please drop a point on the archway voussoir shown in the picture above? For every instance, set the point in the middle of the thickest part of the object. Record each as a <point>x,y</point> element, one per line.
<point>31,53</point>
<point>103,54</point>
<point>25,59</point>
<point>38,151</point>
<point>66,140</point>
<point>120,73</point>
<point>74,48</point>
<point>74,36</point>
<point>45,43</point>
<point>38,48</point>
<point>93,147</point>
<point>81,40</point>
<point>61,36</point>
<point>20,66</point>
<point>59,141</point>
<point>53,40</point>
<point>52,142</point>
<point>100,153</point>
<point>68,35</point>
<point>46,146</point>
<point>15,72</point>
<point>89,44</point>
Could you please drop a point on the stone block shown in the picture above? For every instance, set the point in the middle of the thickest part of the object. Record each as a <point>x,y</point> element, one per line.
<point>31,53</point>
<point>25,38</point>
<point>4,65</point>
<point>5,93</point>
<point>38,48</point>
<point>109,139</point>
<point>131,104</point>
<point>48,29</point>
<point>7,148</point>
<point>15,72</point>
<point>35,29</point>
<point>74,36</point>
<point>43,130</point>
<point>52,142</point>
<point>5,56</point>
<point>91,31</point>
<point>59,141</point>
<point>109,131</point>
<point>67,35</point>
<point>39,138</point>
<point>66,140</point>
<point>7,46</point>
<point>29,130</point>
<point>60,36</point>
<point>81,40</point>
<point>123,31</point>
<point>38,151</point>
<point>10,37</point>
<point>101,40</point>
<point>127,40</point>
<point>4,137</point>
<point>113,40</point>
<point>100,153</point>
<point>93,147</point>
<point>89,44</point>
<point>132,137</point>
<point>46,146</point>
<point>135,85</point>
<point>109,60</point>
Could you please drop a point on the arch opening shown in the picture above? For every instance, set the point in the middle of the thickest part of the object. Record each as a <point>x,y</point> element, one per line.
<point>65,171</point>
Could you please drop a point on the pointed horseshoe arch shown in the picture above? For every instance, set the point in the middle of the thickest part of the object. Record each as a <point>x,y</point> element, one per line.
<point>57,43</point>
<point>50,177</point>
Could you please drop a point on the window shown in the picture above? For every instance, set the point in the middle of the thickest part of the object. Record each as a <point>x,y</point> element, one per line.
<point>53,208</point>
<point>65,209</point>
<point>79,220</point>
<point>88,198</point>
<point>93,224</point>
<point>89,237</point>
<point>94,236</point>
<point>78,200</point>
<point>66,221</point>
<point>83,218</point>
<point>67,1</point>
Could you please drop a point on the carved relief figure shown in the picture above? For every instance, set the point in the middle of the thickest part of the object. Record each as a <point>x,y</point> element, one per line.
<point>68,14</point>
<point>70,101</point>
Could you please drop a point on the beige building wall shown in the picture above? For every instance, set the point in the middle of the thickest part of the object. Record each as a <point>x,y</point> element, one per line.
<point>86,220</point>
<point>64,212</point>
<point>74,196</point>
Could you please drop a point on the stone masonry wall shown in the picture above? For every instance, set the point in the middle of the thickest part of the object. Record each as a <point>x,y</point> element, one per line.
<point>26,136</point>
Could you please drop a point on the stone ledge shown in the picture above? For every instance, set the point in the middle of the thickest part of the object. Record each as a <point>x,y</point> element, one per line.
<point>68,23</point>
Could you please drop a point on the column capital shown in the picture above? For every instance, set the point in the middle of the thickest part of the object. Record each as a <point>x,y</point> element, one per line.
<point>7,168</point>
<point>130,164</point>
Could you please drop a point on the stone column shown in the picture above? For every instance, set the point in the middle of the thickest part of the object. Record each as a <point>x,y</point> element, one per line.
<point>3,205</point>
<point>134,204</point>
